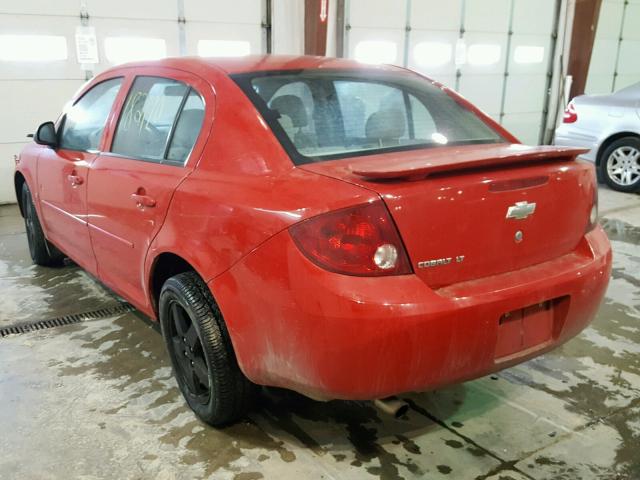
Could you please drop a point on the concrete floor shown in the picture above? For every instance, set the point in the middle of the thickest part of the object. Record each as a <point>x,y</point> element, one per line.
<point>97,399</point>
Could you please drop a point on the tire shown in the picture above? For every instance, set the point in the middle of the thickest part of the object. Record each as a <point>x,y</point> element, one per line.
<point>620,164</point>
<point>201,353</point>
<point>42,252</point>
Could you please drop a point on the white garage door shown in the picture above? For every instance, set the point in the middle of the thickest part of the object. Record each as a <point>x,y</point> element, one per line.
<point>616,50</point>
<point>494,52</point>
<point>39,69</point>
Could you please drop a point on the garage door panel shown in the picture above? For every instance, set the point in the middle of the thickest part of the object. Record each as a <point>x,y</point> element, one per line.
<point>609,20</point>
<point>602,60</point>
<point>533,16</point>
<point>31,103</point>
<point>628,63</point>
<point>126,9</point>
<point>598,83</point>
<point>525,93</point>
<point>485,91</point>
<point>43,7</point>
<point>610,55</point>
<point>631,27</point>
<point>433,52</point>
<point>380,14</point>
<point>526,127</point>
<point>486,16</point>
<point>623,81</point>
<point>41,25</point>
<point>435,15</point>
<point>364,46</point>
<point>220,11</point>
<point>241,35</point>
<point>529,54</point>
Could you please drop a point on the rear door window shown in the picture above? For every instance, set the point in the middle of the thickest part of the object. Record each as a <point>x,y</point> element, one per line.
<point>84,123</point>
<point>160,121</point>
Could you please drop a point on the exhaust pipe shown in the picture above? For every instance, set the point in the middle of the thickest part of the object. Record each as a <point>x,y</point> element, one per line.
<point>392,406</point>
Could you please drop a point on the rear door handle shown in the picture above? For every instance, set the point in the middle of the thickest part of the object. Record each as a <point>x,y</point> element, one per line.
<point>143,200</point>
<point>75,180</point>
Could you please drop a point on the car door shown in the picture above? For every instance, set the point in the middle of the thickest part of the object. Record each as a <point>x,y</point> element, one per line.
<point>131,185</point>
<point>62,172</point>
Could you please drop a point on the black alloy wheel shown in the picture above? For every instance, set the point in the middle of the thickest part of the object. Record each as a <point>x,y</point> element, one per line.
<point>191,363</point>
<point>201,352</point>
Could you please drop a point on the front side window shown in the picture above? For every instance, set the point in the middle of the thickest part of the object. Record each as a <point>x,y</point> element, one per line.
<point>160,121</point>
<point>323,115</point>
<point>84,123</point>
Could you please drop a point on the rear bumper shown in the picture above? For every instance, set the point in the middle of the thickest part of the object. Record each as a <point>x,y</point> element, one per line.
<point>325,335</point>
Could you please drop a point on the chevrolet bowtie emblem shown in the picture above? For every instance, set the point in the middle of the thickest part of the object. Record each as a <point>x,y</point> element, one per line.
<point>521,210</point>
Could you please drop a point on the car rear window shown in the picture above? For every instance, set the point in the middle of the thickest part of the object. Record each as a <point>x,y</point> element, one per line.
<point>325,115</point>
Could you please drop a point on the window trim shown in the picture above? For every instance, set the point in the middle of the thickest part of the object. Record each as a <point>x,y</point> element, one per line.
<point>63,118</point>
<point>163,160</point>
<point>243,81</point>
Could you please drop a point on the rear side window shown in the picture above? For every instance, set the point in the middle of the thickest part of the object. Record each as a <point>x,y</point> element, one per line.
<point>84,123</point>
<point>323,115</point>
<point>160,121</point>
<point>187,129</point>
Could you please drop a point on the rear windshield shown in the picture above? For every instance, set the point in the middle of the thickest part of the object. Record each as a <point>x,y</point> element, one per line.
<point>325,115</point>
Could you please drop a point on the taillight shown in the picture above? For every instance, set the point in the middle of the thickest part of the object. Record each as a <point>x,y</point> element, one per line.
<point>361,240</point>
<point>570,114</point>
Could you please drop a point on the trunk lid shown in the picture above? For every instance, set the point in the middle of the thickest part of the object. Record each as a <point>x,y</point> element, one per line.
<point>459,209</point>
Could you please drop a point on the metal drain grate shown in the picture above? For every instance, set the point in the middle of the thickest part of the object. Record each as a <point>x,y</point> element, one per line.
<point>65,320</point>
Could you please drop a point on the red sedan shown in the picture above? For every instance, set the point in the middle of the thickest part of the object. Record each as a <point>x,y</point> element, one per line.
<point>342,230</point>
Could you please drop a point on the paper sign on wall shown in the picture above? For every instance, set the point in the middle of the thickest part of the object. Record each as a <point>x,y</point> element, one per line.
<point>86,45</point>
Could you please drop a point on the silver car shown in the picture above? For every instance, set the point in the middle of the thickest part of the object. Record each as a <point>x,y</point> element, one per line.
<point>609,126</point>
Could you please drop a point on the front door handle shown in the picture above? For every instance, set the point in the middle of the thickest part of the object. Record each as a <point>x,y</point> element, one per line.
<point>143,200</point>
<point>75,180</point>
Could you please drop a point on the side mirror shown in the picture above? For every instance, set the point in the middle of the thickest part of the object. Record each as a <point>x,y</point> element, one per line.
<point>46,135</point>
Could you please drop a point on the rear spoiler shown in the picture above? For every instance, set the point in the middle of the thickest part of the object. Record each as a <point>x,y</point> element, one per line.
<point>422,163</point>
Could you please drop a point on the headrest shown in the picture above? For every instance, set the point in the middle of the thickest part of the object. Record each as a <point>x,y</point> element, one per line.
<point>385,124</point>
<point>292,107</point>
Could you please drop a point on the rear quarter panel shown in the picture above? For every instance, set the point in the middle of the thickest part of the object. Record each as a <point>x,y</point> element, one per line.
<point>244,190</point>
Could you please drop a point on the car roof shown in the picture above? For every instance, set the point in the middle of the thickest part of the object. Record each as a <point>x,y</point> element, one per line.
<point>257,63</point>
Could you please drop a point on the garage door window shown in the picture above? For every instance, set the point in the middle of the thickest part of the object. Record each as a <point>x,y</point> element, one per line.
<point>148,129</point>
<point>84,123</point>
<point>33,48</point>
